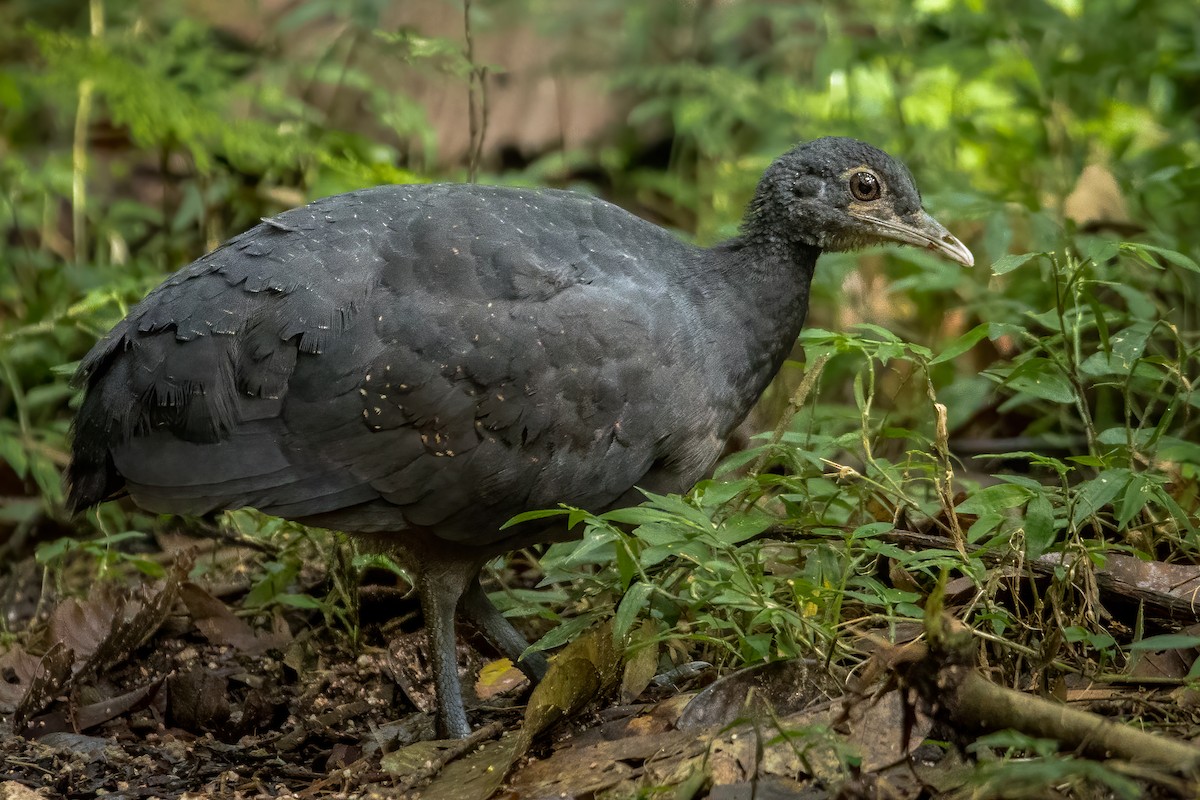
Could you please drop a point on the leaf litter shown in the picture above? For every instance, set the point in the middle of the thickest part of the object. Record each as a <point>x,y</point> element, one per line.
<point>164,689</point>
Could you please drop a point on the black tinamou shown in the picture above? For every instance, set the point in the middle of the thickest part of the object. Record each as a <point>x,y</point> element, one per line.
<point>420,363</point>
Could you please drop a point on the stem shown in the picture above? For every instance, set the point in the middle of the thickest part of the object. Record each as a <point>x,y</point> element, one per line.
<point>79,153</point>
<point>79,168</point>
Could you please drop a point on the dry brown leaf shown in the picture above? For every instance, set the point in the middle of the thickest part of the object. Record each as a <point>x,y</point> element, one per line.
<point>198,700</point>
<point>94,714</point>
<point>19,668</point>
<point>46,681</point>
<point>11,790</point>
<point>580,770</point>
<point>408,662</point>
<point>582,672</point>
<point>112,622</point>
<point>885,730</point>
<point>478,775</point>
<point>497,678</point>
<point>222,627</point>
<point>784,687</point>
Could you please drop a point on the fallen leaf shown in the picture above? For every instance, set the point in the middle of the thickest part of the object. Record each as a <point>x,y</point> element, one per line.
<point>497,678</point>
<point>222,627</point>
<point>408,662</point>
<point>478,775</point>
<point>11,790</point>
<point>580,674</point>
<point>198,700</point>
<point>52,673</point>
<point>94,714</point>
<point>641,662</point>
<point>885,729</point>
<point>112,622</point>
<point>783,687</point>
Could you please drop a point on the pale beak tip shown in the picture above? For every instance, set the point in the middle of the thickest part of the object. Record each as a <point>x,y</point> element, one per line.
<point>957,250</point>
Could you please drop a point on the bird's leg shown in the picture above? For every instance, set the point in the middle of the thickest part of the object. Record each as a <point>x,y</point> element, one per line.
<point>441,586</point>
<point>499,631</point>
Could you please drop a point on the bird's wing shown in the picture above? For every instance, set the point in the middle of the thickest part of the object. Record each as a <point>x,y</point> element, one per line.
<point>443,357</point>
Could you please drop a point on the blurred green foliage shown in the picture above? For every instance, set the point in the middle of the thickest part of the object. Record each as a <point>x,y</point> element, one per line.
<point>133,138</point>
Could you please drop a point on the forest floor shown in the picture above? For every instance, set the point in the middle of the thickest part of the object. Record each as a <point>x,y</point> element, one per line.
<point>131,688</point>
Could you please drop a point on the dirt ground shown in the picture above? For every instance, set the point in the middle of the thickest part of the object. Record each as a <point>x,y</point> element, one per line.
<point>130,687</point>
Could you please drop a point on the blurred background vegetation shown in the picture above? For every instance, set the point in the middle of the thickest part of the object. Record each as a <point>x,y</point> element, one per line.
<point>1058,138</point>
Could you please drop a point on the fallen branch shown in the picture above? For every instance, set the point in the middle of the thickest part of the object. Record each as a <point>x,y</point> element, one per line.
<point>943,674</point>
<point>970,699</point>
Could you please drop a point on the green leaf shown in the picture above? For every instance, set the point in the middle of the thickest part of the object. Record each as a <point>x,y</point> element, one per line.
<point>1181,517</point>
<point>1041,378</point>
<point>1166,641</point>
<point>1138,492</point>
<point>1040,531</point>
<point>566,631</point>
<point>1006,264</point>
<point>1021,480</point>
<point>1035,459</point>
<point>663,534</point>
<point>46,476</point>
<point>48,394</point>
<point>12,452</point>
<point>1170,256</point>
<point>1100,251</point>
<point>1126,346</point>
<point>883,333</point>
<point>1120,436</point>
<point>637,515</point>
<point>872,529</point>
<point>1091,496</point>
<point>299,601</point>
<point>529,516</point>
<point>987,523</point>
<point>1130,343</point>
<point>963,343</point>
<point>51,551</point>
<point>630,607</point>
<point>993,499</point>
<point>627,568</point>
<point>744,526</point>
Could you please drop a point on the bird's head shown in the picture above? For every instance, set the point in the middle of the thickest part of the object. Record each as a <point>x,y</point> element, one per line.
<point>841,194</point>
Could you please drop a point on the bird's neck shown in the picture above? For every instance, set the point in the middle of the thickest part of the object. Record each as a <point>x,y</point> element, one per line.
<point>757,299</point>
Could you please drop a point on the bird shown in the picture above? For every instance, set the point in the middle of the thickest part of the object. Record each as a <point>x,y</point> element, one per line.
<point>417,364</point>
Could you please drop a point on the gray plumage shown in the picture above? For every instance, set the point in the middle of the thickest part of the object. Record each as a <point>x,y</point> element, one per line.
<point>422,362</point>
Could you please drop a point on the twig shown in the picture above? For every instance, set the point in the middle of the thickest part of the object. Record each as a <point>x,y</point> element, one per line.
<point>945,479</point>
<point>452,750</point>
<point>797,401</point>
<point>477,100</point>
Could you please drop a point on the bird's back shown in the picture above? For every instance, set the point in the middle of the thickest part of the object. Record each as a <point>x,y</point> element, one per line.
<point>436,357</point>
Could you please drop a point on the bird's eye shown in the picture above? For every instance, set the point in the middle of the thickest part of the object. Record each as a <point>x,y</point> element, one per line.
<point>865,186</point>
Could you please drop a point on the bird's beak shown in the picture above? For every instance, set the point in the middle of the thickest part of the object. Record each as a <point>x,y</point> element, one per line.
<point>920,230</point>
